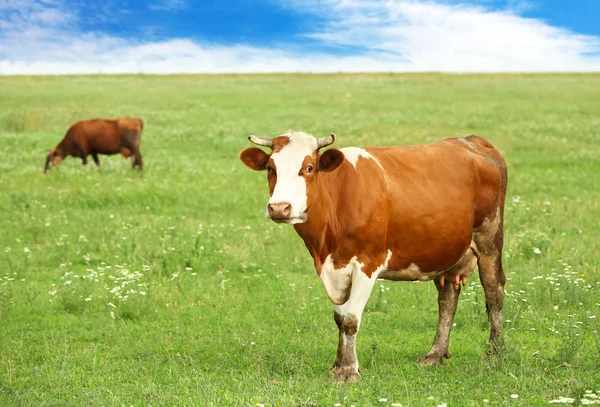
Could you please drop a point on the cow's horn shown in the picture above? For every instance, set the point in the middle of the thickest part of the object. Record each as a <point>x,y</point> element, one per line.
<point>261,141</point>
<point>325,141</point>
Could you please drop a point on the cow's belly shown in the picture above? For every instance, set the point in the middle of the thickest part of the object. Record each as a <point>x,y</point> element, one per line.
<point>411,273</point>
<point>464,266</point>
<point>107,149</point>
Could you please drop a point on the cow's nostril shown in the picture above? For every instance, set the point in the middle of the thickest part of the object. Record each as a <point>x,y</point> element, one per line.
<point>287,210</point>
<point>280,209</point>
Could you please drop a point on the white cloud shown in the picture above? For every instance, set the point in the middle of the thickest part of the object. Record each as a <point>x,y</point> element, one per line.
<point>431,36</point>
<point>400,35</point>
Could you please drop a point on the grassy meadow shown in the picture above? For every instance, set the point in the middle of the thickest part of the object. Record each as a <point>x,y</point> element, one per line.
<point>170,288</point>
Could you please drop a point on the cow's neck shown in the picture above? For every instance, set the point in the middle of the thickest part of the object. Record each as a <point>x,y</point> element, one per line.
<point>317,232</point>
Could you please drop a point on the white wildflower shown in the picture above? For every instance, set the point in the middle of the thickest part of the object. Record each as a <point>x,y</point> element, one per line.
<point>562,400</point>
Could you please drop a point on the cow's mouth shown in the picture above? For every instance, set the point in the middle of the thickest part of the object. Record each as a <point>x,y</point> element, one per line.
<point>282,220</point>
<point>290,220</point>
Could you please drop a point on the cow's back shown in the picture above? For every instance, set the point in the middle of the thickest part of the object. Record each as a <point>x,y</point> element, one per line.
<point>101,136</point>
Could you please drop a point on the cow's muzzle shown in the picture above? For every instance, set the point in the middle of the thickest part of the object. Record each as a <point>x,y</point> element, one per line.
<point>280,211</point>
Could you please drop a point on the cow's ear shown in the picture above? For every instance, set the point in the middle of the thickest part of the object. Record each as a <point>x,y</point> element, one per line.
<point>255,158</point>
<point>330,160</point>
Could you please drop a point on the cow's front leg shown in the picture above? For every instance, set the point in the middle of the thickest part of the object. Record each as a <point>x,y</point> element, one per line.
<point>348,317</point>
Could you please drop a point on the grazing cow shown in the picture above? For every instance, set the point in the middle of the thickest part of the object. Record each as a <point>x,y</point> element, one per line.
<point>427,212</point>
<point>100,136</point>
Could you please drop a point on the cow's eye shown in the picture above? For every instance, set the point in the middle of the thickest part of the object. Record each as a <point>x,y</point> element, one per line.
<point>309,169</point>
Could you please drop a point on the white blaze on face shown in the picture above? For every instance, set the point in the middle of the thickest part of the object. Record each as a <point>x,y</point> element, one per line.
<point>290,186</point>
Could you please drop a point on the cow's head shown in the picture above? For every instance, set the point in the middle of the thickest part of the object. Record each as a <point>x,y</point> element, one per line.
<point>54,157</point>
<point>292,171</point>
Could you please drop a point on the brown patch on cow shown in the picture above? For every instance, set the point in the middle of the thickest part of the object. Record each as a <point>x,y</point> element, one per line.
<point>279,143</point>
<point>424,212</point>
<point>271,175</point>
<point>350,324</point>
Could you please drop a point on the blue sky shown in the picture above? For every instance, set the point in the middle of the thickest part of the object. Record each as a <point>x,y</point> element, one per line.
<point>211,36</point>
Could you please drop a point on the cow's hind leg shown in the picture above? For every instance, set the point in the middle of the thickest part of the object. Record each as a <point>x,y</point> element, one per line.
<point>137,158</point>
<point>489,240</point>
<point>447,301</point>
<point>131,140</point>
<point>448,293</point>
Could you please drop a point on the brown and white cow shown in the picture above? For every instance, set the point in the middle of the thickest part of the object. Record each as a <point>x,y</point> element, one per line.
<point>427,212</point>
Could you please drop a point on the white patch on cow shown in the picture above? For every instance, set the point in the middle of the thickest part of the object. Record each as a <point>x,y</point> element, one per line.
<point>290,186</point>
<point>337,282</point>
<point>349,286</point>
<point>353,153</point>
<point>361,288</point>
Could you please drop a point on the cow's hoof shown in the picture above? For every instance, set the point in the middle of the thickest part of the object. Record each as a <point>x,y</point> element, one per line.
<point>431,360</point>
<point>353,378</point>
<point>335,370</point>
<point>348,378</point>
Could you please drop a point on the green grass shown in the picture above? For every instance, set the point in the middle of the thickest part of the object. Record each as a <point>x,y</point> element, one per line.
<point>169,288</point>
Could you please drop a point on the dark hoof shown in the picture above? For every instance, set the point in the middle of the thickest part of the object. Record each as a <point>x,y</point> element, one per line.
<point>431,360</point>
<point>435,359</point>
<point>348,378</point>
<point>353,378</point>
